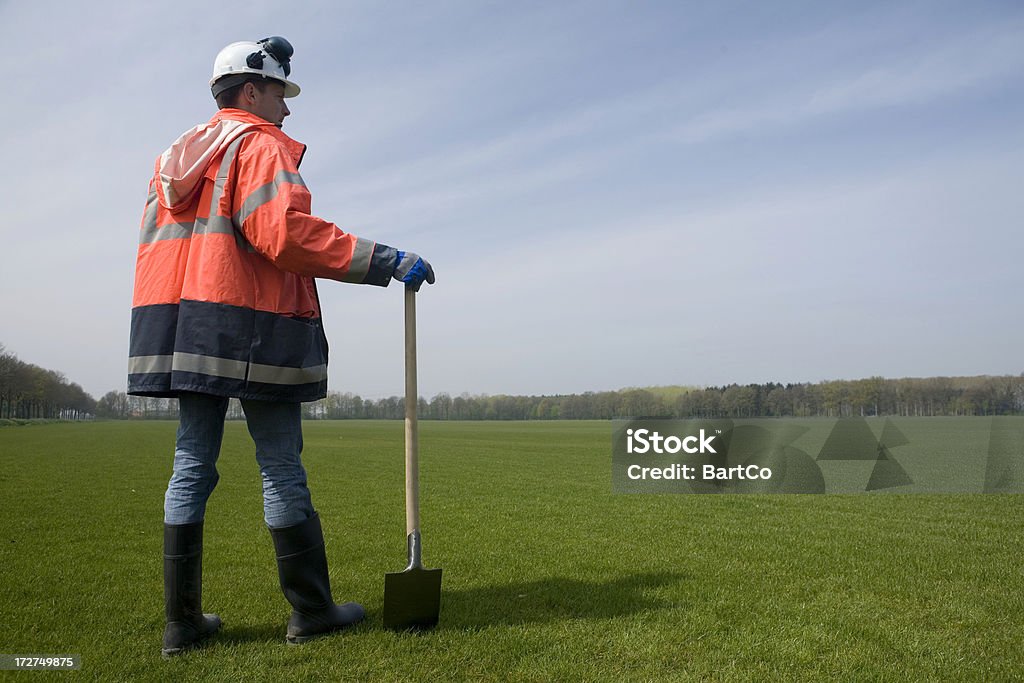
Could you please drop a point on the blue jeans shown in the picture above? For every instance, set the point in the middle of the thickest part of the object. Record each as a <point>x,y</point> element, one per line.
<point>277,430</point>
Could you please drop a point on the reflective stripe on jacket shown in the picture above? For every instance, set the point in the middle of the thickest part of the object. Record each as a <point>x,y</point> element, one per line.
<point>225,302</point>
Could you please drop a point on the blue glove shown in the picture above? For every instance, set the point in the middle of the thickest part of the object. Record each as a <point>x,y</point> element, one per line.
<point>413,270</point>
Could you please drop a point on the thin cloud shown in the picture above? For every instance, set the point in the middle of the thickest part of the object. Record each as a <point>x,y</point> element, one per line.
<point>981,59</point>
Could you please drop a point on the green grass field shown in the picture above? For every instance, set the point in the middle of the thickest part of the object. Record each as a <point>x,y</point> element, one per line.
<point>548,576</point>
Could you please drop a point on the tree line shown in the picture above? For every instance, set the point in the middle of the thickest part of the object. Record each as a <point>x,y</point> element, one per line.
<point>875,396</point>
<point>30,392</point>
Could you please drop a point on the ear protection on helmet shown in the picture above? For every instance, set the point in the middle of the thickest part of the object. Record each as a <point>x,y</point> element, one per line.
<point>274,46</point>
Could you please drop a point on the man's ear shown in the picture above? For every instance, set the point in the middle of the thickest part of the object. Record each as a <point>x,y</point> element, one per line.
<point>249,92</point>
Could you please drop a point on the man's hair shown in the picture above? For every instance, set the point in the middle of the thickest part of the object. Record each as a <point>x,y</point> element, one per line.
<point>229,98</point>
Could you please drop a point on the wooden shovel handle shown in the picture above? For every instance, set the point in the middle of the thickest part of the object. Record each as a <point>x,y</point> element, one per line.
<point>412,465</point>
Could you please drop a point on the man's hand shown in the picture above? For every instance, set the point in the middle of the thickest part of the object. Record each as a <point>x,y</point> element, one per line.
<point>413,270</point>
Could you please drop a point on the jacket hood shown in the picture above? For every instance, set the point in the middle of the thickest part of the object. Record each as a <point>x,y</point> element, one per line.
<point>182,166</point>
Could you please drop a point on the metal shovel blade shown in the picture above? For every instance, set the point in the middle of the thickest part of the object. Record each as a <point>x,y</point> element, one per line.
<point>412,599</point>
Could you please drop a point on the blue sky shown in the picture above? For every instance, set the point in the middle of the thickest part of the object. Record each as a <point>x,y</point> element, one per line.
<point>612,193</point>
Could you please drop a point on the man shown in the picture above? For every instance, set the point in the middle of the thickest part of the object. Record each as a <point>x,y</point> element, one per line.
<point>225,306</point>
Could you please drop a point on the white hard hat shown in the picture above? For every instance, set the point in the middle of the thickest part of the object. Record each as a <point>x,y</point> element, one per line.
<point>269,57</point>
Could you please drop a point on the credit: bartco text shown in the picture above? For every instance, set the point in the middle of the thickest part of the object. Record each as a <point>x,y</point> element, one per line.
<point>708,472</point>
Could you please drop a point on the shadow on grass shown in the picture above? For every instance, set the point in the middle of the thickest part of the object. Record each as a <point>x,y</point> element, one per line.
<point>531,602</point>
<point>553,599</point>
<point>272,633</point>
<point>252,632</point>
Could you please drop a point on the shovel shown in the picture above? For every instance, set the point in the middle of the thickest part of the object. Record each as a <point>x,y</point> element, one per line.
<point>412,598</point>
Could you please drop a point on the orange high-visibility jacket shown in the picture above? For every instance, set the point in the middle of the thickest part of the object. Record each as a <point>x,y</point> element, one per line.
<point>225,302</point>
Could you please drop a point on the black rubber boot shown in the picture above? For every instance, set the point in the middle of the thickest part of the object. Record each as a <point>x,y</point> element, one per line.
<point>187,626</point>
<point>302,567</point>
